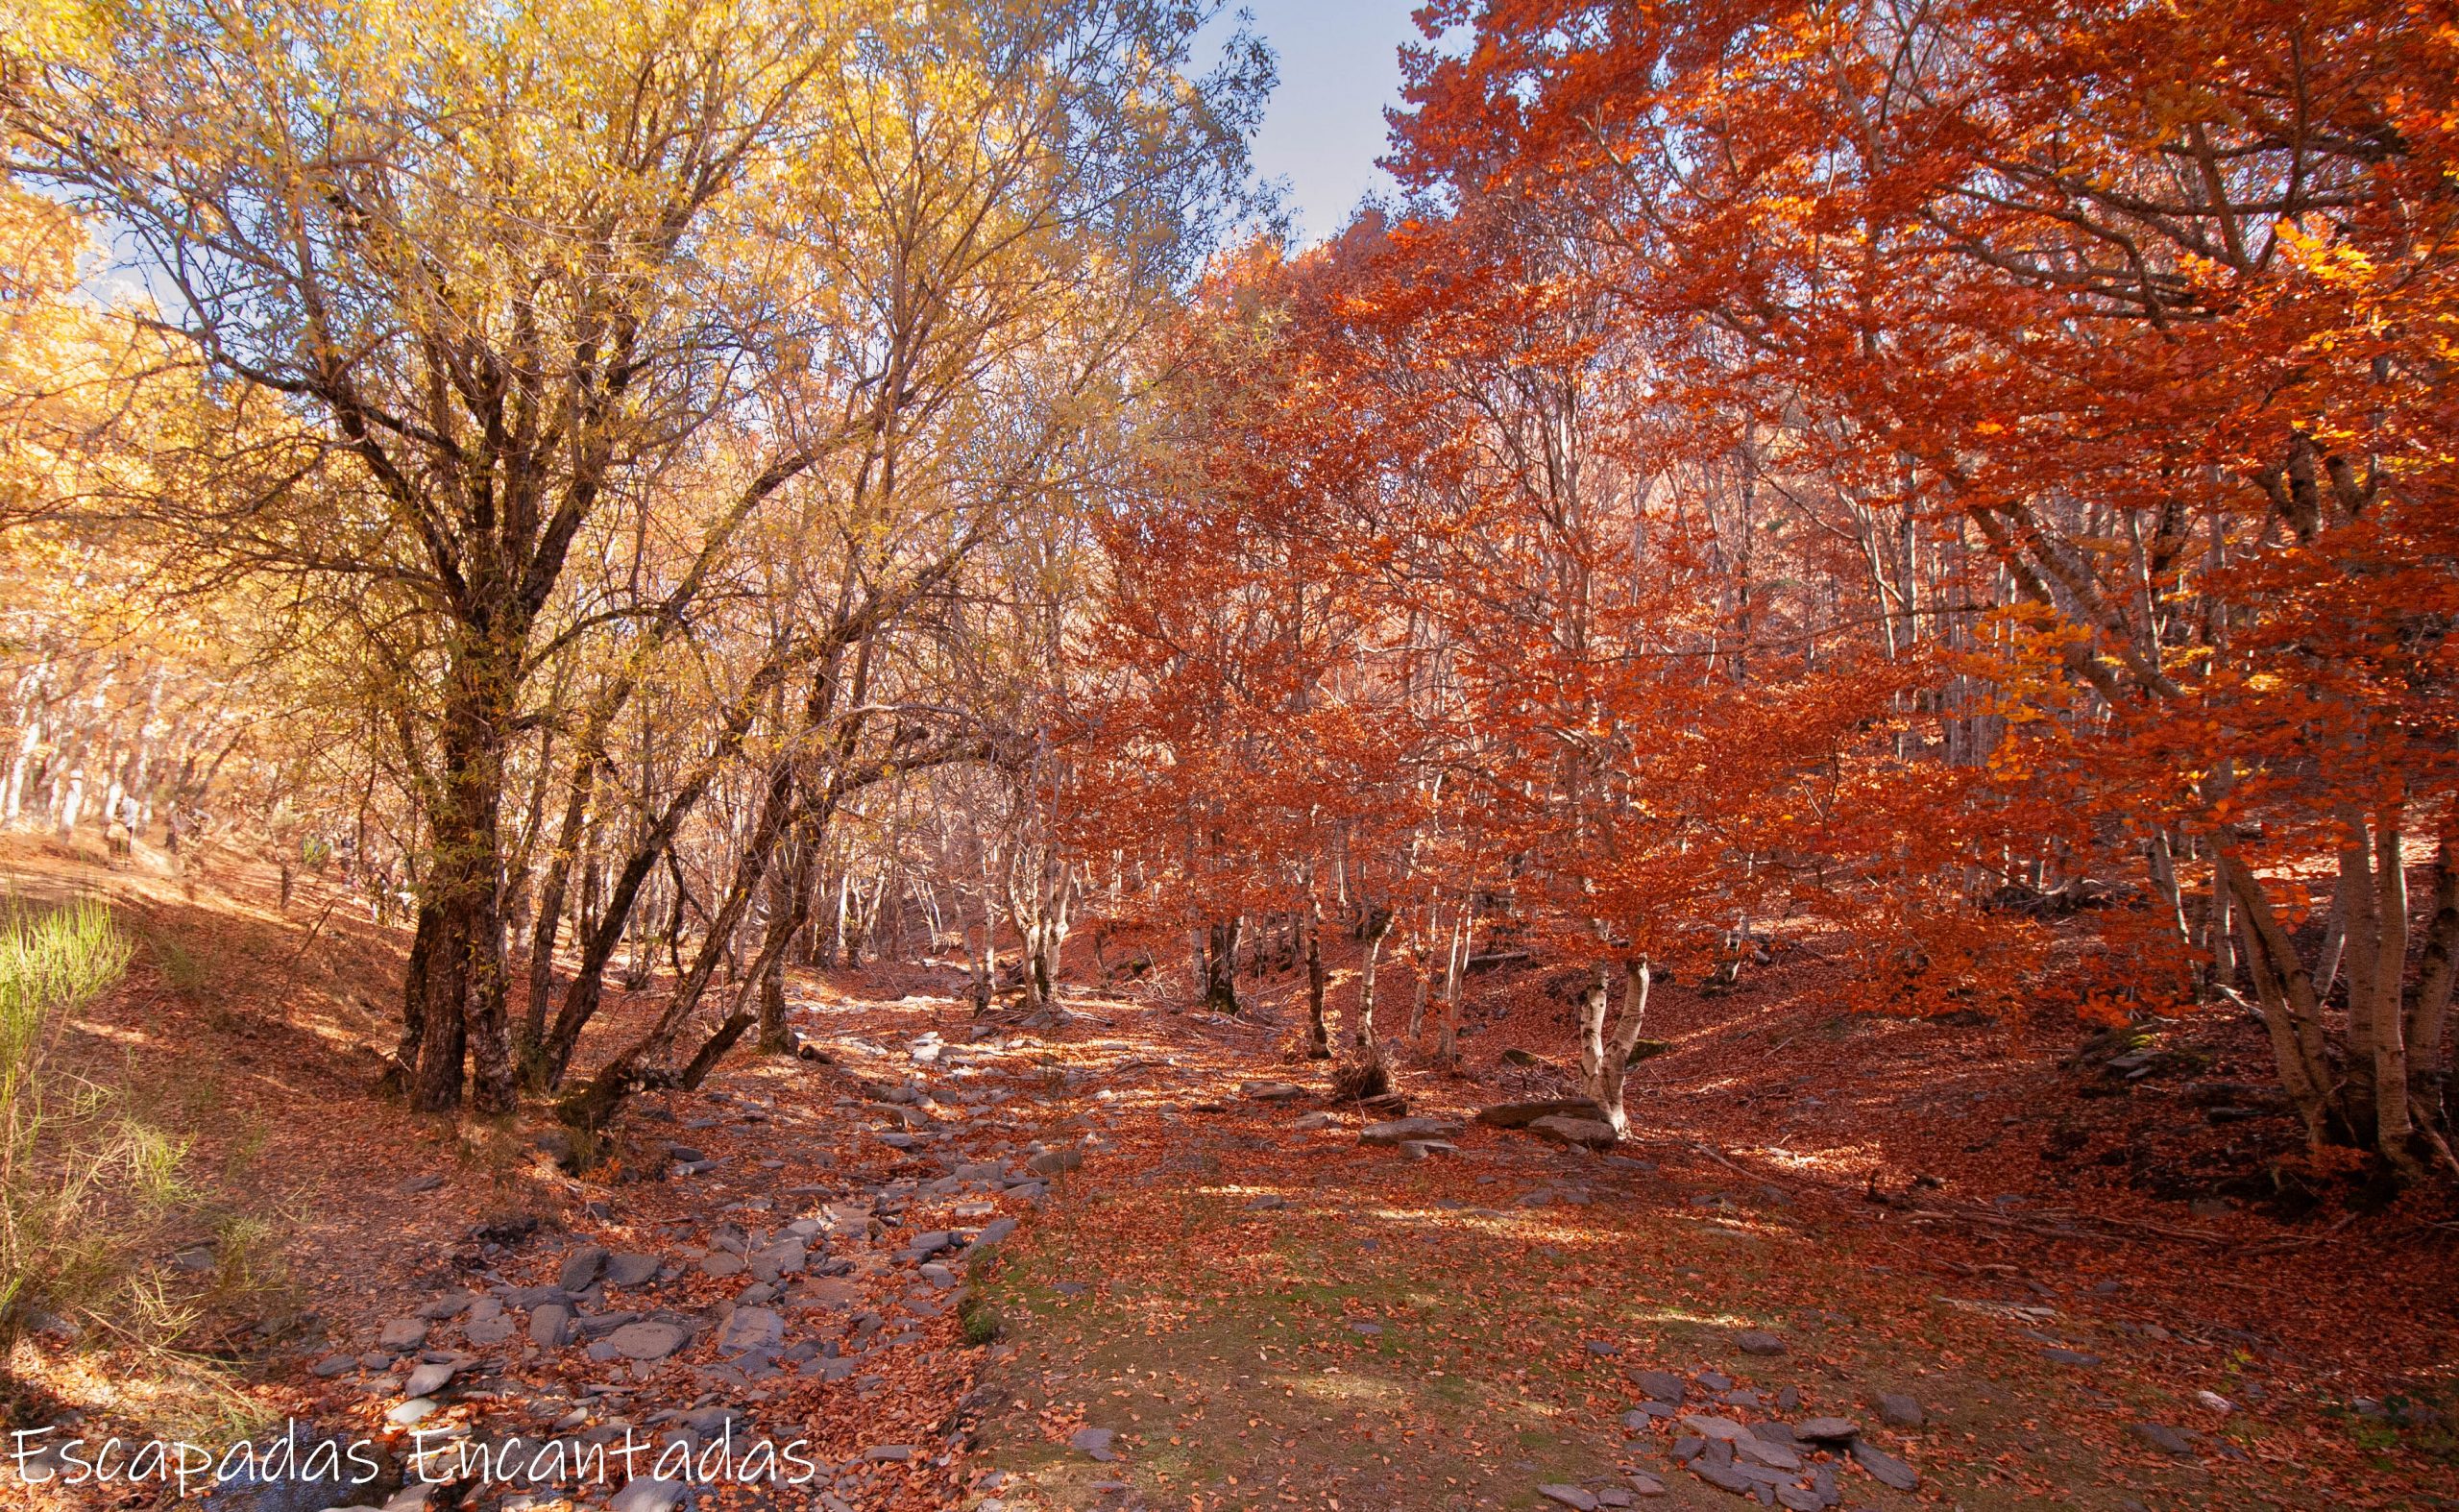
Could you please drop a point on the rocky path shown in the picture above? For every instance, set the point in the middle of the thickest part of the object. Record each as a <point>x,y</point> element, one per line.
<point>1102,1262</point>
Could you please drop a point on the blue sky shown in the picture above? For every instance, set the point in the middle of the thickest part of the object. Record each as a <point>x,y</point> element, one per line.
<point>1339,68</point>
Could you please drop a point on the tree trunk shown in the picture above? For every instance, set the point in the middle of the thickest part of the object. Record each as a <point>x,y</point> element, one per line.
<point>1319,1045</point>
<point>1221,967</point>
<point>1378,926</point>
<point>1605,1057</point>
<point>1455,965</point>
<point>2284,998</point>
<point>533,1042</point>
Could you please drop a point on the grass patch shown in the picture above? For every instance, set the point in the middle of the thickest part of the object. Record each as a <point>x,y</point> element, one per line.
<point>84,1185</point>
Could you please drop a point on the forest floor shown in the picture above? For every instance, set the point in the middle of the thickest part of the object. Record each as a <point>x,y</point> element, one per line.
<point>2078,1290</point>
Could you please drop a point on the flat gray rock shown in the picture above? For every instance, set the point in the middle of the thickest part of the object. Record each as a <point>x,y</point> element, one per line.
<point>722,1263</point>
<point>582,1267</point>
<point>2164,1438</point>
<point>1826,1431</point>
<point>1095,1442</point>
<point>1766,1452</point>
<point>1885,1468</point>
<point>646,1341</point>
<point>1571,1497</point>
<point>1899,1411</point>
<point>1708,1426</point>
<point>428,1379</point>
<point>1661,1386</point>
<point>1398,1130</point>
<point>402,1333</point>
<point>647,1494</point>
<point>551,1326</point>
<point>630,1270</point>
<point>1758,1341</point>
<point>749,1330</point>
<point>489,1330</point>
<point>1588,1133</point>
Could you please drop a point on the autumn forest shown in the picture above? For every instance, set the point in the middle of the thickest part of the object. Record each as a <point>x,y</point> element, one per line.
<point>747,723</point>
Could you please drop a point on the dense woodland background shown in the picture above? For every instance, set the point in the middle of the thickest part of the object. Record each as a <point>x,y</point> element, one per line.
<point>663,493</point>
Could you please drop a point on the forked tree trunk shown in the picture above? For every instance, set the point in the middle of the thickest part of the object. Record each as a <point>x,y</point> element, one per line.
<point>1605,1050</point>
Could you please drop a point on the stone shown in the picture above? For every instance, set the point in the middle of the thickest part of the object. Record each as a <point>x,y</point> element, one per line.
<point>551,1326</point>
<point>1427,1149</point>
<point>1661,1386</point>
<point>786,1258</point>
<point>1053,1162</point>
<point>1826,1431</point>
<point>416,1184</point>
<point>994,1231</point>
<point>630,1270</point>
<point>1269,1202</point>
<point>1715,1380</point>
<point>526,1298</point>
<point>1708,1426</point>
<point>1399,1131</point>
<point>1519,1115</point>
<point>646,1341</point>
<point>2057,1355</point>
<point>1885,1468</point>
<point>1640,1418</point>
<point>2164,1438</point>
<point>418,1409</point>
<point>488,1331</point>
<point>451,1305</point>
<point>582,1267</point>
<point>1312,1122</point>
<point>428,1379</point>
<point>1602,1347</point>
<point>647,1494</point>
<point>332,1365</point>
<point>722,1263</point>
<point>1570,1497</point>
<point>750,1331</point>
<point>402,1333</point>
<point>1646,1484</point>
<point>1724,1476</point>
<point>1273,1091</point>
<point>1773,1455</point>
<point>1758,1341</point>
<point>2213,1401</point>
<point>1899,1411</point>
<point>1588,1133</point>
<point>1095,1442</point>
